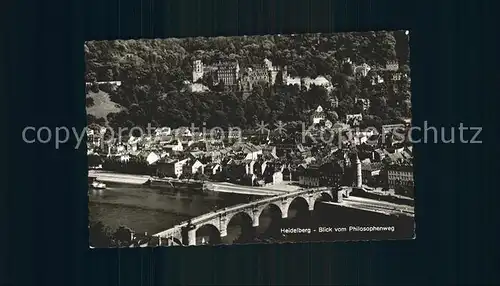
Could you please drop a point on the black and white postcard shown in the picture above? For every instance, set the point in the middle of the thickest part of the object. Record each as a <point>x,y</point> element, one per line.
<point>249,139</point>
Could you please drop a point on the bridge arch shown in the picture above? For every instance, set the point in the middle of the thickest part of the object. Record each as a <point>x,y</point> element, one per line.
<point>207,233</point>
<point>299,200</point>
<point>269,217</point>
<point>247,216</point>
<point>323,196</point>
<point>248,221</point>
<point>273,206</point>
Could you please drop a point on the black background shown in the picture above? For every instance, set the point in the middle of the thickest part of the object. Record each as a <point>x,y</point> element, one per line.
<point>44,205</point>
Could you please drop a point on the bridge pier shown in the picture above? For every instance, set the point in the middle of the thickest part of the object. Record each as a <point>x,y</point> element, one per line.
<point>192,237</point>
<point>311,206</point>
<point>255,218</point>
<point>223,232</point>
<point>170,241</point>
<point>338,196</point>
<point>347,192</point>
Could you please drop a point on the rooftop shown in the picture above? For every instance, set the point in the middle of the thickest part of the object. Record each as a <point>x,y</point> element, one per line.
<point>372,166</point>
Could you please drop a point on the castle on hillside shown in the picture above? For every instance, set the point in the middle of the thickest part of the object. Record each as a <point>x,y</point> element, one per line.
<point>232,76</point>
<point>359,70</point>
<point>235,78</point>
<point>363,69</point>
<point>244,79</point>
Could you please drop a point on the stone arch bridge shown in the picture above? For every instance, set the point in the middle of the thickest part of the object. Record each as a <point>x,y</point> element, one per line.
<point>220,219</point>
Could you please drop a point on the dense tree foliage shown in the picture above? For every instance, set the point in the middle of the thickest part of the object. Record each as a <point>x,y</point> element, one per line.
<point>153,74</point>
<point>94,160</point>
<point>135,165</point>
<point>101,236</point>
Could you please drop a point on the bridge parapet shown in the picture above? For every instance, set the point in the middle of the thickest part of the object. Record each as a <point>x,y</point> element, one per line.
<point>220,219</point>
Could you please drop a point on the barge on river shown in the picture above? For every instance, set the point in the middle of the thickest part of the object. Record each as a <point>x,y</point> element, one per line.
<point>181,185</point>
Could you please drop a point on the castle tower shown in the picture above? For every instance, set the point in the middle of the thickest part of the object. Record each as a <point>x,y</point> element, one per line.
<point>268,64</point>
<point>359,178</point>
<point>197,70</point>
<point>237,70</point>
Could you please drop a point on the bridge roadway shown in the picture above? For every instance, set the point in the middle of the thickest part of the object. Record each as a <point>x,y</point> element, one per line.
<point>246,190</point>
<point>220,219</point>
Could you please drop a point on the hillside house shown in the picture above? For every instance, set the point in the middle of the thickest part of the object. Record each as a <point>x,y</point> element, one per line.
<point>193,167</point>
<point>170,168</point>
<point>212,169</point>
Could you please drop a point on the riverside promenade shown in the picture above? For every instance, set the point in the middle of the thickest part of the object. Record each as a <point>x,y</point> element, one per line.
<point>111,177</point>
<point>221,187</point>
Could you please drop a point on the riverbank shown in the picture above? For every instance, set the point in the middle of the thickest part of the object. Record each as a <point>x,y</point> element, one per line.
<point>222,187</point>
<point>111,177</point>
<point>373,205</point>
<point>383,196</point>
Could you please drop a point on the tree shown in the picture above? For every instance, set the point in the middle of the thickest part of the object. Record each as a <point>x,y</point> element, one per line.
<point>89,101</point>
<point>405,69</point>
<point>220,86</point>
<point>347,69</point>
<point>108,75</point>
<point>332,116</point>
<point>122,236</point>
<point>94,88</point>
<point>99,235</point>
<point>94,160</point>
<point>279,81</point>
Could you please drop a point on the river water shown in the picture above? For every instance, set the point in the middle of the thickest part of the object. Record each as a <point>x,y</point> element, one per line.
<point>152,210</point>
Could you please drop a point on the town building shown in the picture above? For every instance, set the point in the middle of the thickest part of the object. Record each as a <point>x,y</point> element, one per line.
<point>334,102</point>
<point>320,175</point>
<point>392,128</point>
<point>318,115</point>
<point>193,167</point>
<point>392,66</point>
<point>370,172</point>
<point>354,119</point>
<point>399,175</point>
<point>363,102</point>
<point>170,168</point>
<point>212,169</point>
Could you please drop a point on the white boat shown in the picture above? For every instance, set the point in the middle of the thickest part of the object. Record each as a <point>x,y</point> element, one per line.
<point>98,185</point>
<point>95,184</point>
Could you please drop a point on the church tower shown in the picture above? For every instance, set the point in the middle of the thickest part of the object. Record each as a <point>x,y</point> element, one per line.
<point>359,177</point>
